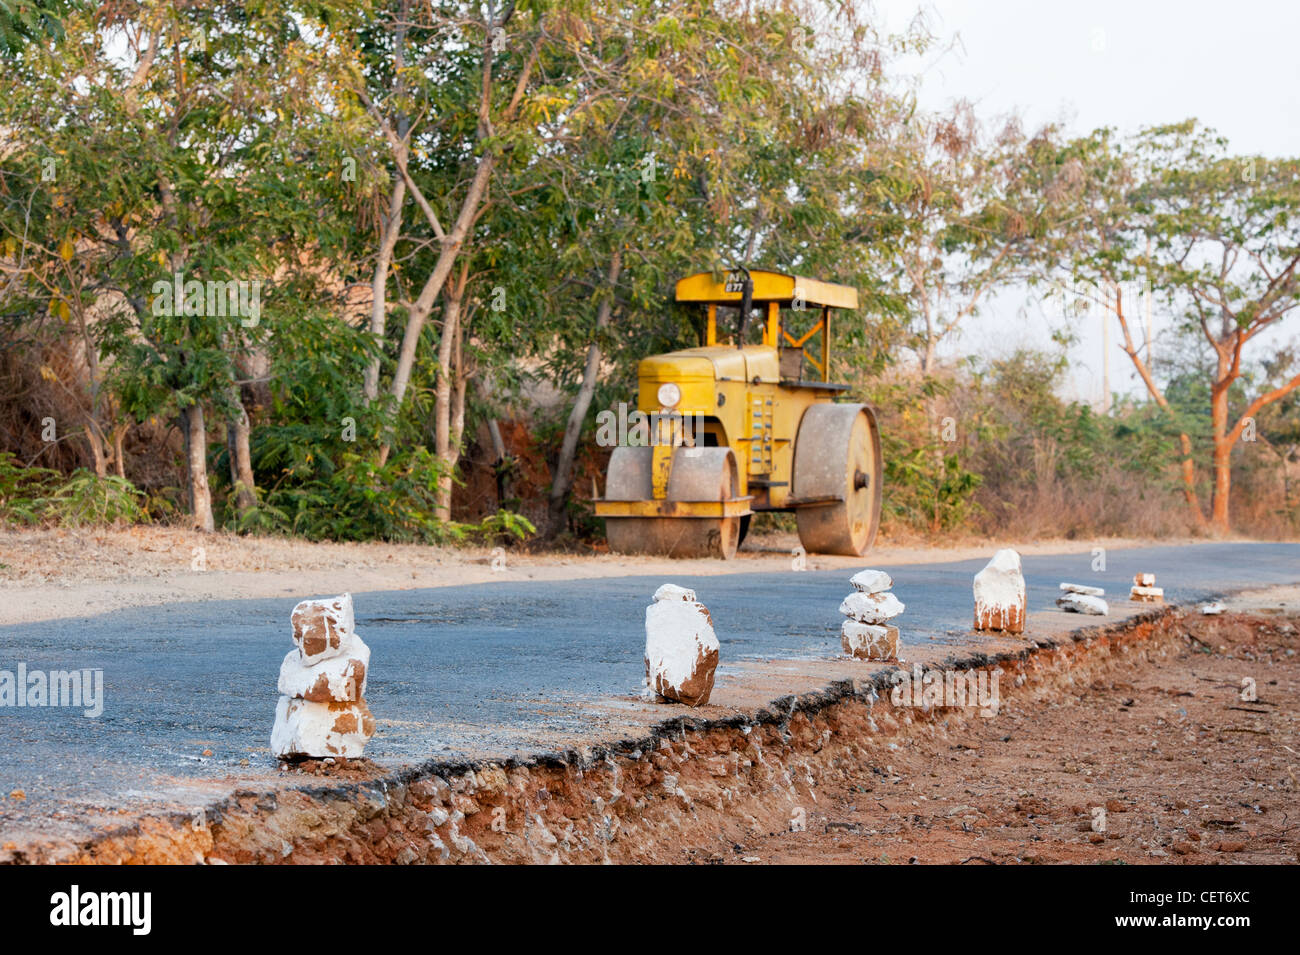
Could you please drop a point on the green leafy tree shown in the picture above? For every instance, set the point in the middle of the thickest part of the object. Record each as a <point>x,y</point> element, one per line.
<point>27,21</point>
<point>958,211</point>
<point>175,221</point>
<point>1215,237</point>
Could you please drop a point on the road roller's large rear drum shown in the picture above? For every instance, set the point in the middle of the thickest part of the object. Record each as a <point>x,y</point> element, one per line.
<point>697,474</point>
<point>837,479</point>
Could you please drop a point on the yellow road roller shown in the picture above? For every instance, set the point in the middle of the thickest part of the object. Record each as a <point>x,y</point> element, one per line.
<point>747,422</point>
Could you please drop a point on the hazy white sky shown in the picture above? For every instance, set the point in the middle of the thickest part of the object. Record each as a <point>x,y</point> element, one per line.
<point>1233,65</point>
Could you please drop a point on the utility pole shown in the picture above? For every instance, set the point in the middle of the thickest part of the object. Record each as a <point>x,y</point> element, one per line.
<point>1105,360</point>
<point>1151,338</point>
<point>1146,294</point>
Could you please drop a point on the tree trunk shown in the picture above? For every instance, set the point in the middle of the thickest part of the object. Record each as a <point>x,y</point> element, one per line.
<point>453,241</point>
<point>119,454</point>
<point>562,483</point>
<point>1292,453</point>
<point>938,459</point>
<point>196,446</point>
<point>498,445</point>
<point>459,387</point>
<point>392,226</point>
<point>499,464</point>
<point>95,441</point>
<point>1188,466</point>
<point>94,433</point>
<point>447,449</point>
<point>1219,518</point>
<point>238,432</point>
<point>1222,446</point>
<point>420,310</point>
<point>1189,480</point>
<point>379,284</point>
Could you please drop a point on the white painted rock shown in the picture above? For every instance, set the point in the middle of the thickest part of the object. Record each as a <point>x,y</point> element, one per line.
<point>1081,589</point>
<point>321,626</point>
<point>1213,608</point>
<point>1152,595</point>
<point>339,679</point>
<point>871,581</point>
<point>1144,580</point>
<point>867,641</point>
<point>681,649</point>
<point>1083,603</point>
<point>321,730</point>
<point>871,608</point>
<point>1000,594</point>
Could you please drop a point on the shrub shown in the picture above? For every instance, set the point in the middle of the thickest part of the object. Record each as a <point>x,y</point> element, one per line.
<point>31,496</point>
<point>85,498</point>
<point>22,491</point>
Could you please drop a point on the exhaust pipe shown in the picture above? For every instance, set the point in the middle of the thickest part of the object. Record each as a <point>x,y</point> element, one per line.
<point>746,305</point>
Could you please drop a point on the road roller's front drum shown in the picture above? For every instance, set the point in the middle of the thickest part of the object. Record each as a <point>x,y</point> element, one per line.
<point>697,475</point>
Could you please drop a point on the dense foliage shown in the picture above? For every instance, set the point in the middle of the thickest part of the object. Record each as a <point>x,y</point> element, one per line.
<point>281,266</point>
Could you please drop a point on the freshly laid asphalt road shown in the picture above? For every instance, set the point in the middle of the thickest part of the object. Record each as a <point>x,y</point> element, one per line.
<point>475,670</point>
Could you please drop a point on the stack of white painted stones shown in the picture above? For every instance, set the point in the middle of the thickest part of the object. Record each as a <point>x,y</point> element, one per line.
<point>681,649</point>
<point>867,634</point>
<point>1079,598</point>
<point>322,711</point>
<point>1000,594</point>
<point>1145,589</point>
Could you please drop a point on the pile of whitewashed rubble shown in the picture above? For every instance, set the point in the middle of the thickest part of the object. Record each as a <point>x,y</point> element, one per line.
<point>681,649</point>
<point>1080,599</point>
<point>322,711</point>
<point>1000,594</point>
<point>867,634</point>
<point>1145,589</point>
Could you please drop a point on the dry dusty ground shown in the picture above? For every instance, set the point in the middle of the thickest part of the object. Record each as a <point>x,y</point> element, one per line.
<point>1186,770</point>
<point>46,574</point>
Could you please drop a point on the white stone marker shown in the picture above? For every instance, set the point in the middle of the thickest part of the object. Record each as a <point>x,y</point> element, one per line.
<point>320,626</point>
<point>1152,595</point>
<point>1081,589</point>
<point>1000,594</point>
<point>868,641</point>
<point>337,680</point>
<point>322,710</point>
<point>1083,603</point>
<point>867,634</point>
<point>321,730</point>
<point>871,581</point>
<point>681,649</point>
<point>877,608</point>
